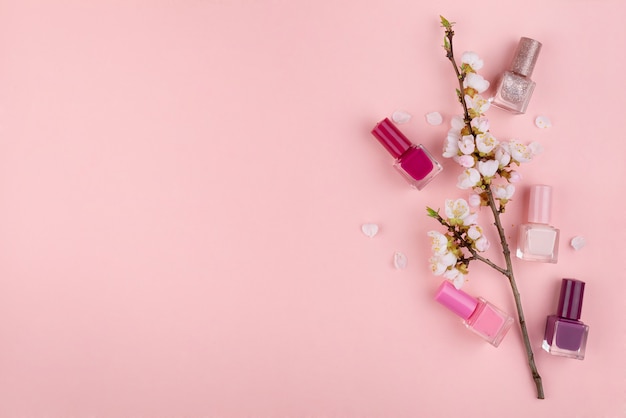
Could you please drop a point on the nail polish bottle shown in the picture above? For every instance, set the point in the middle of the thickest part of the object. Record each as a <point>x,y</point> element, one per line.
<point>478,315</point>
<point>565,334</point>
<point>515,86</point>
<point>537,240</point>
<point>414,162</point>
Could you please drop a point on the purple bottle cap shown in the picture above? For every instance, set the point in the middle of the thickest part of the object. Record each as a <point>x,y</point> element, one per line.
<point>571,299</point>
<point>456,300</point>
<point>525,56</point>
<point>392,139</point>
<point>539,204</point>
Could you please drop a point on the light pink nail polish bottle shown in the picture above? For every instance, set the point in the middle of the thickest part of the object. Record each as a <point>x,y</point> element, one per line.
<point>480,316</point>
<point>515,87</point>
<point>537,240</point>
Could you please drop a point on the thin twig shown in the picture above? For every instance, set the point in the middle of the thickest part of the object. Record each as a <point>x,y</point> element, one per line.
<point>460,77</point>
<point>518,300</point>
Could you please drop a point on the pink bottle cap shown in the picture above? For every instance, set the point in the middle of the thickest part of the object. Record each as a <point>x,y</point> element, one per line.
<point>392,139</point>
<point>539,204</point>
<point>456,300</point>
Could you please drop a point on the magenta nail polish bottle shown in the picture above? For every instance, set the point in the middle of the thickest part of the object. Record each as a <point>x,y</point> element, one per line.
<point>515,86</point>
<point>537,240</point>
<point>480,316</point>
<point>414,162</point>
<point>565,334</point>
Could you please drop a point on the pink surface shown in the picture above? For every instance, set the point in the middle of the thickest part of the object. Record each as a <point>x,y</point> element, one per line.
<point>183,184</point>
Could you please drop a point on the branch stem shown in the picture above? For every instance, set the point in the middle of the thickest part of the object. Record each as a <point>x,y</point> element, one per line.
<point>516,295</point>
<point>460,77</point>
<point>508,272</point>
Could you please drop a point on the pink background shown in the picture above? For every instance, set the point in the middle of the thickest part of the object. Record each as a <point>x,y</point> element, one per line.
<point>182,187</point>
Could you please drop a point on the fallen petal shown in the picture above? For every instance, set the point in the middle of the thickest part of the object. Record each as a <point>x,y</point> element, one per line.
<point>578,242</point>
<point>399,260</point>
<point>434,118</point>
<point>543,122</point>
<point>369,229</point>
<point>400,116</point>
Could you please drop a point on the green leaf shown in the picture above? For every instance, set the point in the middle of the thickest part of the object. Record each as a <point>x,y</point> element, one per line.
<point>446,43</point>
<point>432,213</point>
<point>445,23</point>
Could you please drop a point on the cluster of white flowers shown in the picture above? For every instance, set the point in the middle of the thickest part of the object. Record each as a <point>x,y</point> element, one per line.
<point>472,146</point>
<point>484,159</point>
<point>448,258</point>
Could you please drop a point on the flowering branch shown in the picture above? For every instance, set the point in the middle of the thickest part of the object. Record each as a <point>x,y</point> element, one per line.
<point>458,237</point>
<point>485,161</point>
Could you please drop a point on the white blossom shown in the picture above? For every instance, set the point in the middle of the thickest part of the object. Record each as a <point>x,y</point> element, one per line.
<point>485,143</point>
<point>451,146</point>
<point>436,266</point>
<point>472,59</point>
<point>471,219</point>
<point>439,242</point>
<point>465,161</point>
<point>481,244</point>
<point>488,168</point>
<point>481,124</point>
<point>524,153</point>
<point>466,144</point>
<point>503,192</point>
<point>475,232</point>
<point>457,124</point>
<point>478,104</point>
<point>468,179</point>
<point>514,177</point>
<point>503,154</point>
<point>440,263</point>
<point>476,82</point>
<point>457,278</point>
<point>457,209</point>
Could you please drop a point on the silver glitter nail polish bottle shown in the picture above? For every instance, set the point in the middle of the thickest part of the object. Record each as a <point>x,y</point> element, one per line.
<point>515,87</point>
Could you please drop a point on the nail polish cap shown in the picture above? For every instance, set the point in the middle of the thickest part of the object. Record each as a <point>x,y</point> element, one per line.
<point>571,299</point>
<point>525,56</point>
<point>392,139</point>
<point>456,300</point>
<point>539,204</point>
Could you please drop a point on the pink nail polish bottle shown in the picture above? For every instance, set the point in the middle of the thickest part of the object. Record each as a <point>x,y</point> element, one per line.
<point>537,240</point>
<point>515,87</point>
<point>480,316</point>
<point>414,162</point>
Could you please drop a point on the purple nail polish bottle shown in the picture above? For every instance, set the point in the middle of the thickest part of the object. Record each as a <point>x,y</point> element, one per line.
<point>414,162</point>
<point>565,334</point>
